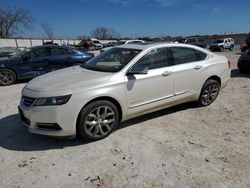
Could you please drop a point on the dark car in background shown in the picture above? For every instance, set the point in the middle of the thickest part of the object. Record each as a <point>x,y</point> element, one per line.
<point>197,41</point>
<point>244,62</point>
<point>35,61</point>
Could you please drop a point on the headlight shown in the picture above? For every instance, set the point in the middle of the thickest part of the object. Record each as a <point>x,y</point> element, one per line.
<point>50,101</point>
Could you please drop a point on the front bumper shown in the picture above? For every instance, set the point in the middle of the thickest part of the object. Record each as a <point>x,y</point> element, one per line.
<point>48,120</point>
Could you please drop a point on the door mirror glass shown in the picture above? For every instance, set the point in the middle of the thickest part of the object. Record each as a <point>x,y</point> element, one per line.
<point>138,69</point>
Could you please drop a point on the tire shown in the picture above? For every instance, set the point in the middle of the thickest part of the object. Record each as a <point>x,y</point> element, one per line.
<point>97,120</point>
<point>209,92</point>
<point>7,77</point>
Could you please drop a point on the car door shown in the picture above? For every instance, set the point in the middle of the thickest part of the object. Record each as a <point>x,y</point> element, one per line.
<point>151,90</point>
<point>226,43</point>
<point>60,58</point>
<point>188,71</point>
<point>34,63</point>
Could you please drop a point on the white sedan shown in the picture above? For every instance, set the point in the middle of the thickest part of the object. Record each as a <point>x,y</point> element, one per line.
<point>121,83</point>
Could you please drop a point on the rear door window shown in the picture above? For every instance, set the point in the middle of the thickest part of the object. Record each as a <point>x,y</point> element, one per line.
<point>59,51</point>
<point>182,55</point>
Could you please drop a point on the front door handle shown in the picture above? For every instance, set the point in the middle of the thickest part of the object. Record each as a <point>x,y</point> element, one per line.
<point>197,67</point>
<point>166,73</point>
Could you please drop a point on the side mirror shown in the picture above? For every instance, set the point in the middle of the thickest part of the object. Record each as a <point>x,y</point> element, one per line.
<point>26,58</point>
<point>138,69</point>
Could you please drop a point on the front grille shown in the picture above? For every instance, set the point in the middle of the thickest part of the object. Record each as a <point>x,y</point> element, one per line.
<point>28,101</point>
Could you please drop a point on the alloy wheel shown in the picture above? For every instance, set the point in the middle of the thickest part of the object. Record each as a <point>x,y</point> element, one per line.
<point>6,77</point>
<point>209,94</point>
<point>100,121</point>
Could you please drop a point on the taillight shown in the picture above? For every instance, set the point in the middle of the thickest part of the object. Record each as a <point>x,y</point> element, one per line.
<point>229,64</point>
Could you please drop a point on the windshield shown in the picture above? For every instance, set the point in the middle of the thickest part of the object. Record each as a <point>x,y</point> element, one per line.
<point>218,41</point>
<point>120,43</point>
<point>96,42</point>
<point>21,53</point>
<point>112,60</point>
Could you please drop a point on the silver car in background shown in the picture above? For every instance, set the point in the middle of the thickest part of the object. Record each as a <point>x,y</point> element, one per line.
<point>121,83</point>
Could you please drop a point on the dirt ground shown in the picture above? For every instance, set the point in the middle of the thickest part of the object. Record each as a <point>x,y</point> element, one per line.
<point>183,146</point>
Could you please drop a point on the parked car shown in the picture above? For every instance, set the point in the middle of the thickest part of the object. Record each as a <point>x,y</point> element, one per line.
<point>8,51</point>
<point>197,41</point>
<point>221,44</point>
<point>97,44</point>
<point>244,62</point>
<point>119,84</point>
<point>122,42</point>
<point>85,44</point>
<point>35,61</point>
<point>109,44</point>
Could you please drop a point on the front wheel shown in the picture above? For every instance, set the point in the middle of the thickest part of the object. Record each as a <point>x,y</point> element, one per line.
<point>7,77</point>
<point>97,120</point>
<point>209,92</point>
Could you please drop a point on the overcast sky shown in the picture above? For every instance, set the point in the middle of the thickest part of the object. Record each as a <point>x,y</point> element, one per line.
<point>135,18</point>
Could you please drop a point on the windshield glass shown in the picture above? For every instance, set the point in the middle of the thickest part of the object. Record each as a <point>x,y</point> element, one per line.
<point>218,41</point>
<point>112,60</point>
<point>120,43</point>
<point>21,53</point>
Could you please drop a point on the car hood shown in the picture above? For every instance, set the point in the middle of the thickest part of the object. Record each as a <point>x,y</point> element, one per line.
<point>67,79</point>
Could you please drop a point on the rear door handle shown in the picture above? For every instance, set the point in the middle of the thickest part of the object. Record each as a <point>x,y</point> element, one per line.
<point>197,67</point>
<point>166,73</point>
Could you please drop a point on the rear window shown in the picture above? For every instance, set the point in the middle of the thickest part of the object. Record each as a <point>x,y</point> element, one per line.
<point>187,55</point>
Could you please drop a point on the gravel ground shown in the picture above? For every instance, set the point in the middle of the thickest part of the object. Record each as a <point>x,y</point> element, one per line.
<point>183,146</point>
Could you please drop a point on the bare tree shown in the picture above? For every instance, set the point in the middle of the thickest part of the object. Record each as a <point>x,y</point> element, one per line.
<point>114,34</point>
<point>49,31</point>
<point>104,33</point>
<point>14,21</point>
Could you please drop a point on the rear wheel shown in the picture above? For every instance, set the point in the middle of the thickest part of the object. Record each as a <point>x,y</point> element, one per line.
<point>97,120</point>
<point>209,92</point>
<point>7,77</point>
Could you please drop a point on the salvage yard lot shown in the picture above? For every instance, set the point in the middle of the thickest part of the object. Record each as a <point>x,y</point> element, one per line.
<point>183,146</point>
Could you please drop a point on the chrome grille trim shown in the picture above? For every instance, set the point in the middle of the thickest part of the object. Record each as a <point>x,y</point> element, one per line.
<point>28,101</point>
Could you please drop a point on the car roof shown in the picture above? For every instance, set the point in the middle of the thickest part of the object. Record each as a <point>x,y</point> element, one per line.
<point>51,46</point>
<point>145,46</point>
